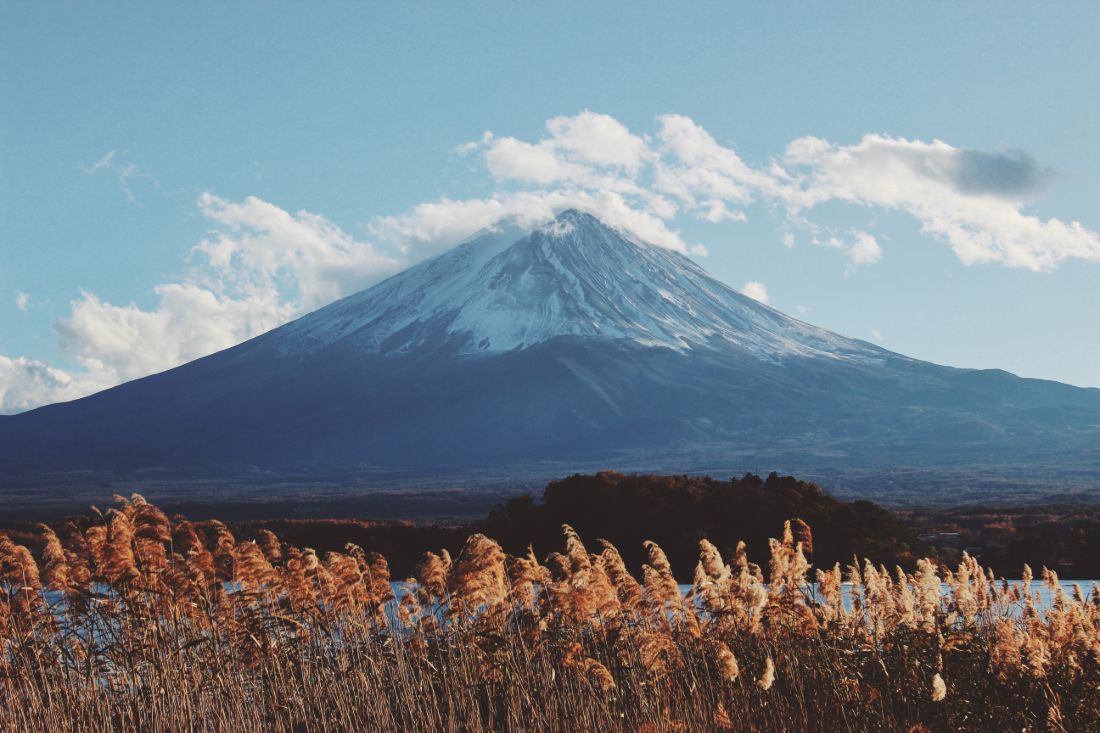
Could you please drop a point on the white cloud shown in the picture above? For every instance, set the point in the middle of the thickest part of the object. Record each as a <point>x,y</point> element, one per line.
<point>259,267</point>
<point>436,225</point>
<point>118,343</point>
<point>972,200</point>
<point>597,138</point>
<point>302,257</point>
<point>28,383</point>
<point>694,168</point>
<point>864,250</point>
<point>576,148</point>
<point>860,247</point>
<point>876,335</point>
<point>511,158</point>
<point>22,300</point>
<point>125,172</point>
<point>756,291</point>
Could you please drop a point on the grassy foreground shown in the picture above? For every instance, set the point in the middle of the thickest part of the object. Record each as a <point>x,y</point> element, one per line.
<point>142,623</point>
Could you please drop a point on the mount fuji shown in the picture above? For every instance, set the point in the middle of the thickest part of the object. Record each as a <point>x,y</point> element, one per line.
<point>572,345</point>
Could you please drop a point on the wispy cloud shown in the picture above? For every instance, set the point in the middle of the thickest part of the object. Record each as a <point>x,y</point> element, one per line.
<point>126,172</point>
<point>22,301</point>
<point>103,162</point>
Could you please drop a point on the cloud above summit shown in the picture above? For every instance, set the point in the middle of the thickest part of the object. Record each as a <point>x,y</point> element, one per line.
<point>972,200</point>
<point>261,265</point>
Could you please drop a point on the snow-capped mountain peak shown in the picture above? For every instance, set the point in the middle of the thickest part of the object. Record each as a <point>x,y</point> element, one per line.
<point>573,276</point>
<point>562,346</point>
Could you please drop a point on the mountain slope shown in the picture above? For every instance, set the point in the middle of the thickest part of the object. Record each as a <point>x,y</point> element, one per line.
<point>572,344</point>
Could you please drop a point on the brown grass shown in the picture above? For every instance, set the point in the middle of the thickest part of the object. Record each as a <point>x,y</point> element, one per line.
<point>142,623</point>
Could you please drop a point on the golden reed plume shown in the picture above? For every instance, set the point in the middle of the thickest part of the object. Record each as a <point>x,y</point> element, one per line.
<point>132,621</point>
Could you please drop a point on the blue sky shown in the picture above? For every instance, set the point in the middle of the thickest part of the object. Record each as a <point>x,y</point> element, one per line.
<point>175,179</point>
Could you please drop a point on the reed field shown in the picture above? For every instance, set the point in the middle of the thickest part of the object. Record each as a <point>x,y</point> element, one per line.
<point>138,622</point>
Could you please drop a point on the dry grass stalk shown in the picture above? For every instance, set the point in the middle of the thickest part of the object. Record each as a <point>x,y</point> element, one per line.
<point>145,623</point>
